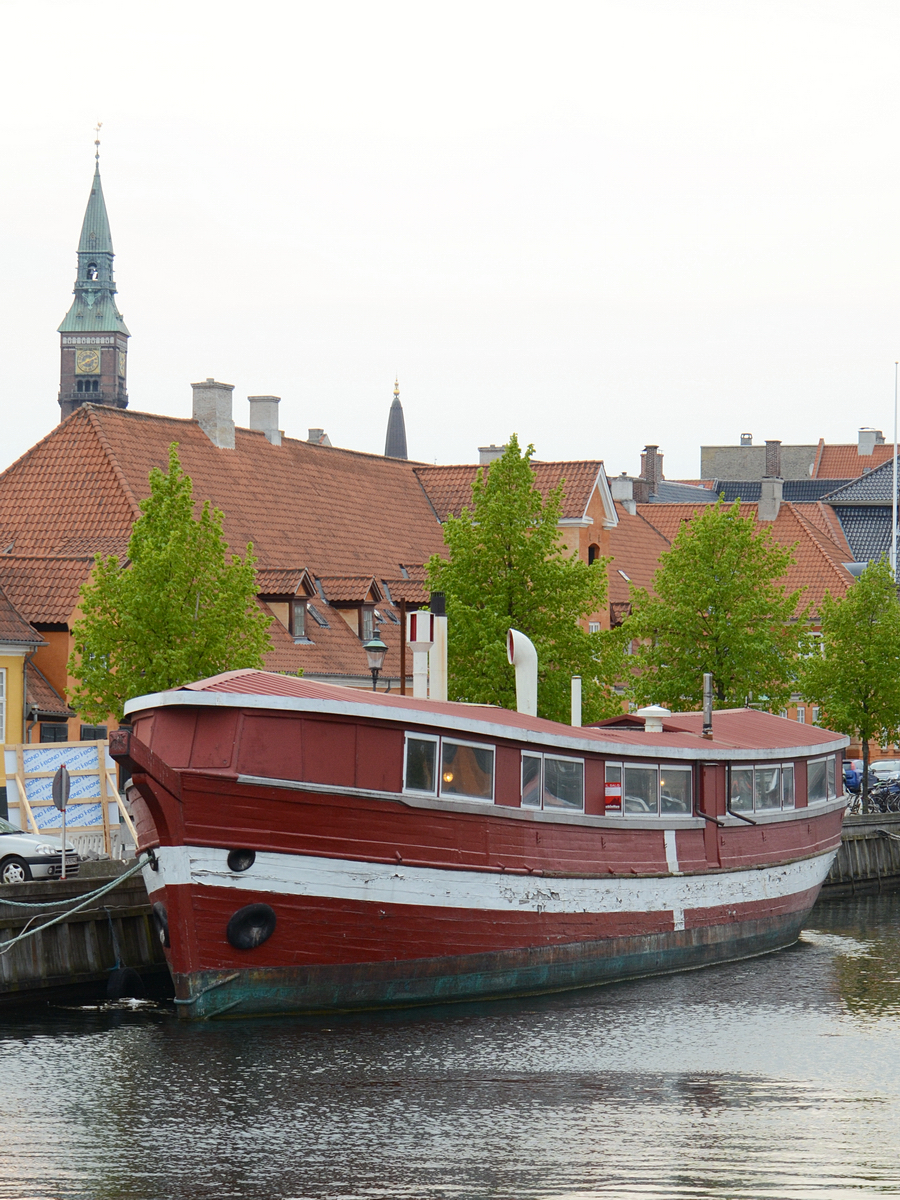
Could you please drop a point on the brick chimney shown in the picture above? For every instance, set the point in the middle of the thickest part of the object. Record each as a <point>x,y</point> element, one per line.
<point>212,412</point>
<point>773,459</point>
<point>264,416</point>
<point>651,468</point>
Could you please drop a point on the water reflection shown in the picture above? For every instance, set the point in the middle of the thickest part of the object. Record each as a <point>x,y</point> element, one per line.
<point>775,1078</point>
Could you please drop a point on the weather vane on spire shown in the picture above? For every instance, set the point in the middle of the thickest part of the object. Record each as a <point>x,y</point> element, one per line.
<point>97,129</point>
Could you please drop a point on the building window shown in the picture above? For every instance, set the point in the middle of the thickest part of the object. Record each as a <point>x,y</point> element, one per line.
<point>366,623</point>
<point>317,616</point>
<point>2,705</point>
<point>801,715</point>
<point>93,733</point>
<point>53,732</point>
<point>593,626</point>
<point>815,714</point>
<point>298,618</point>
<point>593,553</point>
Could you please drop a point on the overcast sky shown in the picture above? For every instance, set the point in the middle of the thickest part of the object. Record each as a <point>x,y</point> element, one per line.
<point>595,224</point>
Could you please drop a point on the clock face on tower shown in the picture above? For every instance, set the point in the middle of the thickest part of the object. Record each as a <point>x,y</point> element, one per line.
<point>87,362</point>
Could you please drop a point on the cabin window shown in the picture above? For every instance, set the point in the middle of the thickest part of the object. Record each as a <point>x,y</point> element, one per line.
<point>531,780</point>
<point>641,790</point>
<point>821,780</point>
<point>675,790</point>
<point>787,786</point>
<point>564,783</point>
<point>420,770</point>
<point>467,770</point>
<point>612,788</point>
<point>770,787</point>
<point>552,782</point>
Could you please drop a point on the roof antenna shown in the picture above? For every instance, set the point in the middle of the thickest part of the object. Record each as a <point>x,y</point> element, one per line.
<point>97,129</point>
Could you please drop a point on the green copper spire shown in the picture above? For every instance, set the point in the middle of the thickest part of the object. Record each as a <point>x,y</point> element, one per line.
<point>94,308</point>
<point>95,235</point>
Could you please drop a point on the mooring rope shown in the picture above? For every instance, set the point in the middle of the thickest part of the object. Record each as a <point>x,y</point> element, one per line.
<point>84,902</point>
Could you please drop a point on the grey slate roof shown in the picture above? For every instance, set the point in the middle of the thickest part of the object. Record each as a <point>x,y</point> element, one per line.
<point>682,493</point>
<point>96,236</point>
<point>867,527</point>
<point>795,491</point>
<point>875,487</point>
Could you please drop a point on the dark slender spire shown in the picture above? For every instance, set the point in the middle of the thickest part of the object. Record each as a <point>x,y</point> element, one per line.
<point>395,442</point>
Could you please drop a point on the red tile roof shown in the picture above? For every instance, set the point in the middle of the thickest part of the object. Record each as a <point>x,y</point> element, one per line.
<point>14,629</point>
<point>450,488</point>
<point>636,546</point>
<point>45,587</point>
<point>279,581</point>
<point>817,563</point>
<point>42,697</point>
<point>845,462</point>
<point>413,591</point>
<point>343,512</point>
<point>355,589</point>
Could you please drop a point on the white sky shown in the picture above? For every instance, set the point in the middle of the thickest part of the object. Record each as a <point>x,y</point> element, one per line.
<point>597,224</point>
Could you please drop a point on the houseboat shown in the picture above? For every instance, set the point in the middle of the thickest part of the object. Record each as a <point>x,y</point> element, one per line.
<point>318,848</point>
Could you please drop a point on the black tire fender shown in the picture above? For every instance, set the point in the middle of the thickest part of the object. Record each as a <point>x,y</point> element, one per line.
<point>161,921</point>
<point>250,926</point>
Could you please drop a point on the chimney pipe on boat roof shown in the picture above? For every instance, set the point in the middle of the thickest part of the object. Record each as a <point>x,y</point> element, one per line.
<point>522,655</point>
<point>707,705</point>
<point>576,700</point>
<point>653,716</point>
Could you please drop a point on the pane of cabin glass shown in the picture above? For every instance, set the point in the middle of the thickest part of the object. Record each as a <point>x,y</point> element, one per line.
<point>829,777</point>
<point>741,788</point>
<point>467,771</point>
<point>613,788</point>
<point>674,790</point>
<point>816,787</point>
<point>563,784</point>
<point>768,787</point>
<point>420,756</point>
<point>531,781</point>
<point>640,790</point>
<point>787,787</point>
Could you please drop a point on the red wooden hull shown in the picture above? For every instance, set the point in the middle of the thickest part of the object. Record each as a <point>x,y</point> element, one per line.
<point>379,898</point>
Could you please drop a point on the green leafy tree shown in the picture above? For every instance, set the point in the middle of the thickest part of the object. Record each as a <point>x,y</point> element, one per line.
<point>180,609</point>
<point>720,607</point>
<point>856,678</point>
<point>507,568</point>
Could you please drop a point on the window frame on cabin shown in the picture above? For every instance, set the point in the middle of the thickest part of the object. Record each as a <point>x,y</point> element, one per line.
<point>787,793</point>
<point>542,758</point>
<point>421,737</point>
<point>492,750</point>
<point>681,770</point>
<point>830,779</point>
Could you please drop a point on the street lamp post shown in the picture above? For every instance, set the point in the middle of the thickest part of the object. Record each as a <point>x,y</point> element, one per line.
<point>375,651</point>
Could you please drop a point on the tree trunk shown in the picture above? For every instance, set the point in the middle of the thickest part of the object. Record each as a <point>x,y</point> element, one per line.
<point>865,776</point>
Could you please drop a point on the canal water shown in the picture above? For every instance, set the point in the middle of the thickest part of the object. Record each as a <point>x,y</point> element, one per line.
<point>773,1079</point>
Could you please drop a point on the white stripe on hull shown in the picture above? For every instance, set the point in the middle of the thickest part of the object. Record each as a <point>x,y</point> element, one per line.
<point>379,883</point>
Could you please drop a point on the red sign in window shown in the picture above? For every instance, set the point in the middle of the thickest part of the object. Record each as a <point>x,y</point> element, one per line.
<point>613,796</point>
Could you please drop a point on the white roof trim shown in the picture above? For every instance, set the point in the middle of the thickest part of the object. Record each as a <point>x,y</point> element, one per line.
<point>594,744</point>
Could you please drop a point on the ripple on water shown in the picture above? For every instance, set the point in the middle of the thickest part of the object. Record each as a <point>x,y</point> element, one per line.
<point>775,1078</point>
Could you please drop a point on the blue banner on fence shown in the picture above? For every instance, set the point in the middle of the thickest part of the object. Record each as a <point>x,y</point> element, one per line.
<point>51,758</point>
<point>78,816</point>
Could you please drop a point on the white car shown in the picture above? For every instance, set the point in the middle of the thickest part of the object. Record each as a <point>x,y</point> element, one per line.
<point>25,856</point>
<point>885,768</point>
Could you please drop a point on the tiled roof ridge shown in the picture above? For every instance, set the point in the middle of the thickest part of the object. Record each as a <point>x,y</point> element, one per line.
<point>93,419</point>
<point>50,557</point>
<point>57,429</point>
<point>534,462</point>
<point>131,414</point>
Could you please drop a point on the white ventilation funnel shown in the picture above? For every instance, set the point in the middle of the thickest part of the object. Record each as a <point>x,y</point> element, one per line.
<point>654,715</point>
<point>522,655</point>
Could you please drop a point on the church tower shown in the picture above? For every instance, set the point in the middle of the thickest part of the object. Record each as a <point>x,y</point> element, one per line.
<point>93,336</point>
<point>395,440</point>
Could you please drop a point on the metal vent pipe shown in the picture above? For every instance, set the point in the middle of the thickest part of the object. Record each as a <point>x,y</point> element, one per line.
<point>522,655</point>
